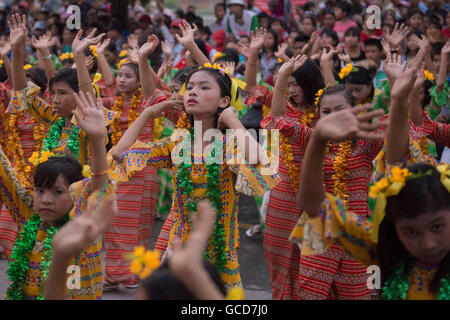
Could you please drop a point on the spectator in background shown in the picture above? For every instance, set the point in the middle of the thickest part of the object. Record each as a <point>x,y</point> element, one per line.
<point>114,32</point>
<point>327,19</point>
<point>352,41</point>
<point>309,25</point>
<point>251,7</point>
<point>221,19</point>
<point>374,51</point>
<point>342,12</point>
<point>367,31</point>
<point>241,21</point>
<point>263,20</point>
<point>414,19</point>
<point>280,28</point>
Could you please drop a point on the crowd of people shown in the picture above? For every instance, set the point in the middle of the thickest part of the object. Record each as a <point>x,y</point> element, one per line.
<point>94,122</point>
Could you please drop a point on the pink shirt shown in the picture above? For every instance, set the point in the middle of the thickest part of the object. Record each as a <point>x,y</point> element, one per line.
<point>341,28</point>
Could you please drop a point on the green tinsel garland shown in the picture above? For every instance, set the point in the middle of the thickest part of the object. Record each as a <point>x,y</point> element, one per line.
<point>20,263</point>
<point>213,193</point>
<point>397,286</point>
<point>54,134</point>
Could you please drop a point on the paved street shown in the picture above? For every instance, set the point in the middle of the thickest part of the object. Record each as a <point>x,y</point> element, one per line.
<point>251,258</point>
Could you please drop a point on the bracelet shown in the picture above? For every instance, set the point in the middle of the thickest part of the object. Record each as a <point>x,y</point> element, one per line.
<point>49,57</point>
<point>394,50</point>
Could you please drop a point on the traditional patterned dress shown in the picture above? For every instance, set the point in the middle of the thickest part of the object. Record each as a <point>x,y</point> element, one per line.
<point>282,257</point>
<point>24,126</point>
<point>136,203</point>
<point>249,181</point>
<point>335,269</point>
<point>20,204</point>
<point>335,225</point>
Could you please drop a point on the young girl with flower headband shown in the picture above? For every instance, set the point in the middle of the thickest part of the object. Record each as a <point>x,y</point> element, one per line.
<point>207,98</point>
<point>58,196</point>
<point>408,235</point>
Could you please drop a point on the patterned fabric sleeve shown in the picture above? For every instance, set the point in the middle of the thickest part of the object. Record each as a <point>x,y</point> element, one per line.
<point>261,94</point>
<point>18,200</point>
<point>141,154</point>
<point>5,92</point>
<point>252,180</point>
<point>90,259</point>
<point>436,131</point>
<point>28,99</point>
<point>295,131</point>
<point>163,85</point>
<point>335,225</point>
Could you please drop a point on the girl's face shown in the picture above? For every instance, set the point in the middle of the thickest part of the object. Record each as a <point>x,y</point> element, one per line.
<point>110,57</point>
<point>325,41</point>
<point>308,27</point>
<point>268,40</point>
<point>219,12</point>
<point>291,38</point>
<point>244,41</point>
<point>332,103</point>
<point>51,204</point>
<point>411,45</point>
<point>63,101</point>
<point>295,91</point>
<point>389,19</point>
<point>427,236</point>
<point>415,21</point>
<point>127,81</point>
<point>202,96</point>
<point>176,87</point>
<point>338,13</point>
<point>277,26</point>
<point>328,21</point>
<point>360,92</point>
<point>351,40</point>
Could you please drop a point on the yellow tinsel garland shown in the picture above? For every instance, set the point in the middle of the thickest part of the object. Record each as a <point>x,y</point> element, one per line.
<point>158,127</point>
<point>116,132</point>
<point>14,148</point>
<point>340,165</point>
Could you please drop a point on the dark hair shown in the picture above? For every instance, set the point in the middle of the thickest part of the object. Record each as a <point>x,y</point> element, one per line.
<point>345,7</point>
<point>202,46</point>
<point>263,15</point>
<point>156,56</point>
<point>182,75</point>
<point>310,79</point>
<point>38,76</point>
<point>112,48</point>
<point>302,38</point>
<point>224,83</point>
<point>361,76</point>
<point>427,85</point>
<point>434,19</point>
<point>421,195</point>
<point>48,172</point>
<point>220,4</point>
<point>312,18</point>
<point>373,42</point>
<point>163,285</point>
<point>275,41</point>
<point>413,12</point>
<point>229,54</point>
<point>353,31</point>
<point>337,89</point>
<point>67,75</point>
<point>332,34</point>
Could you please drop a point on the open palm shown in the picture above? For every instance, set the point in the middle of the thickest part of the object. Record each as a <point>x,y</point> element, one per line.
<point>90,115</point>
<point>148,47</point>
<point>43,42</point>
<point>79,46</point>
<point>18,29</point>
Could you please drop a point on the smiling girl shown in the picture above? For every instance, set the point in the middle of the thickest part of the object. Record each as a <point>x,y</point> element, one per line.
<point>207,99</point>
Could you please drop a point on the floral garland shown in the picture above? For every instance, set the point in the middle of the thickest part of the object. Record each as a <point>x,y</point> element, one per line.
<point>340,165</point>
<point>397,286</point>
<point>54,135</point>
<point>133,114</point>
<point>213,193</point>
<point>286,148</point>
<point>20,263</point>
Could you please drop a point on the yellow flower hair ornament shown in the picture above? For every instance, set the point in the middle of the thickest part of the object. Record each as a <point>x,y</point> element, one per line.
<point>144,262</point>
<point>27,66</point>
<point>66,56</point>
<point>428,75</point>
<point>391,185</point>
<point>121,63</point>
<point>345,71</point>
<point>1,63</point>
<point>217,56</point>
<point>93,50</point>
<point>123,53</point>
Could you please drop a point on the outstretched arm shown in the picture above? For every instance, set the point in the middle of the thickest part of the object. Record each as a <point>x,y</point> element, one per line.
<point>43,45</point>
<point>338,126</point>
<point>187,40</point>
<point>251,69</point>
<point>443,67</point>
<point>78,47</point>
<point>103,64</point>
<point>130,136</point>
<point>19,31</point>
<point>147,75</point>
<point>280,89</point>
<point>71,239</point>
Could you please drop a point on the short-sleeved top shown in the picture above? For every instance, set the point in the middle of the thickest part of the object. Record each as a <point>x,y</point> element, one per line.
<point>237,29</point>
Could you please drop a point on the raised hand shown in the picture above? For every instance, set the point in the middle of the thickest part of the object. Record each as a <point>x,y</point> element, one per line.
<point>231,65</point>
<point>89,62</point>
<point>281,50</point>
<point>81,231</point>
<point>386,48</point>
<point>165,68</point>
<point>157,109</point>
<point>446,49</point>
<point>350,123</point>
<point>420,78</point>
<point>188,33</point>
<point>393,67</point>
<point>404,83</point>
<point>299,61</point>
<point>257,39</point>
<point>148,47</point>
<point>89,115</point>
<point>79,46</point>
<point>308,45</point>
<point>326,57</point>
<point>422,43</point>
<point>18,30</point>
<point>244,50</point>
<point>398,34</point>
<point>44,42</point>
<point>101,47</point>
<point>167,50</point>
